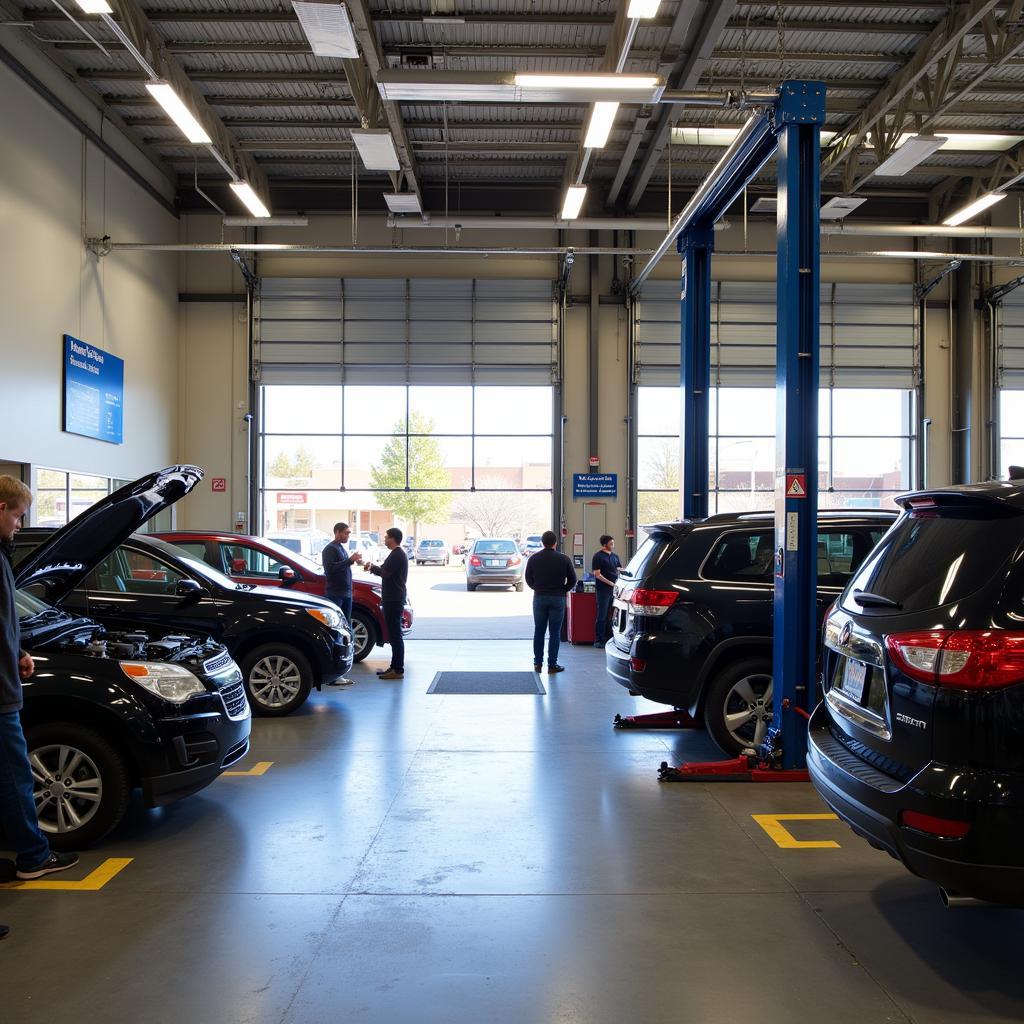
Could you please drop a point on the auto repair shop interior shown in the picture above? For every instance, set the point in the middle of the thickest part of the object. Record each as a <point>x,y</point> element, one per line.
<point>735,284</point>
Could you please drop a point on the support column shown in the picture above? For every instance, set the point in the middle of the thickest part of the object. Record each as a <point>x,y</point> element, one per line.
<point>695,246</point>
<point>800,114</point>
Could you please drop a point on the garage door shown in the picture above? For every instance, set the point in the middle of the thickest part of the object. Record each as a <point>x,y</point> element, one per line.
<point>405,331</point>
<point>868,335</point>
<point>1010,342</point>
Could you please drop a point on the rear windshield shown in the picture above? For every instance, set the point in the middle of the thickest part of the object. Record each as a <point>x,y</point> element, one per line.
<point>495,547</point>
<point>648,556</point>
<point>431,543</point>
<point>932,558</point>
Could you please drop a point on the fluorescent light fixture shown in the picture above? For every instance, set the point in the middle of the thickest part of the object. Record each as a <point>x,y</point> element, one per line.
<point>266,222</point>
<point>839,206</point>
<point>573,80</point>
<point>443,19</point>
<point>95,6</point>
<point>164,94</point>
<point>403,202</point>
<point>979,142</point>
<point>574,196</point>
<point>411,85</point>
<point>973,209</point>
<point>245,192</point>
<point>327,27</point>
<point>602,117</point>
<point>718,136</point>
<point>376,148</point>
<point>643,8</point>
<point>904,159</point>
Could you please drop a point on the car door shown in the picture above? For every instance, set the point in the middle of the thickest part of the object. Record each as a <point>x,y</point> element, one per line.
<point>133,588</point>
<point>740,566</point>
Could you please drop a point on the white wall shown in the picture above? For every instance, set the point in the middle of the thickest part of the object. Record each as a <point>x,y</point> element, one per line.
<point>55,189</point>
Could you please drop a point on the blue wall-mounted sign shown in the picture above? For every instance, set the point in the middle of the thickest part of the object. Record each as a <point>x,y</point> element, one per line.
<point>595,485</point>
<point>93,392</point>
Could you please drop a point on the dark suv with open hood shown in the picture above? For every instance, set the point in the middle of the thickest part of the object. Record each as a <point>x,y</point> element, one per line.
<point>692,613</point>
<point>105,710</point>
<point>919,741</point>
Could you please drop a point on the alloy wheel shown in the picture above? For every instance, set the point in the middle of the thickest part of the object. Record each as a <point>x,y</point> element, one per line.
<point>275,681</point>
<point>360,636</point>
<point>68,788</point>
<point>748,709</point>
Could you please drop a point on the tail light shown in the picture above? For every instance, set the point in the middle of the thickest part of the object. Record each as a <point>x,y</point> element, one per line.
<point>945,828</point>
<point>651,602</point>
<point>972,659</point>
<point>475,560</point>
<point>514,561</point>
<point>637,664</point>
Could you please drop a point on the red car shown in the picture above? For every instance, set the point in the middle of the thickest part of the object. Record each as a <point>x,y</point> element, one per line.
<point>266,564</point>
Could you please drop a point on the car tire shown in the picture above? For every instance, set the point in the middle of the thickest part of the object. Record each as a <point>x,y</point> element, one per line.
<point>471,586</point>
<point>364,635</point>
<point>98,768</point>
<point>737,700</point>
<point>518,588</point>
<point>278,679</point>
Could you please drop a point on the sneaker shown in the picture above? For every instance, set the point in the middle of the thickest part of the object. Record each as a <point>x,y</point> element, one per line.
<point>343,681</point>
<point>54,863</point>
<point>394,673</point>
<point>556,668</point>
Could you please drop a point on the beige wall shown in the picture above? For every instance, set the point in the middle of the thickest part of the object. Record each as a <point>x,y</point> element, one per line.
<point>55,189</point>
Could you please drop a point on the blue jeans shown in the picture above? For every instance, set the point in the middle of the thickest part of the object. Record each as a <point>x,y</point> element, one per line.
<point>602,627</point>
<point>17,805</point>
<point>548,612</point>
<point>344,602</point>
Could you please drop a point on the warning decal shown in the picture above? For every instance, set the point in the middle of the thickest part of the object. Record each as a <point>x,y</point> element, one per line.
<point>796,485</point>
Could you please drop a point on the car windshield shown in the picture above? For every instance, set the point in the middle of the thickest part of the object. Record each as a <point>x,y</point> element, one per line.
<point>534,540</point>
<point>287,554</point>
<point>28,605</point>
<point>196,565</point>
<point>495,547</point>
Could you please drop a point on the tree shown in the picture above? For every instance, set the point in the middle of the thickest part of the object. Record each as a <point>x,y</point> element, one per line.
<point>661,473</point>
<point>296,467</point>
<point>491,513</point>
<point>421,503</point>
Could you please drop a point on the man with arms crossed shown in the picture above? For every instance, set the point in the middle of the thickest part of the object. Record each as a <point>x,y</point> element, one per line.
<point>17,803</point>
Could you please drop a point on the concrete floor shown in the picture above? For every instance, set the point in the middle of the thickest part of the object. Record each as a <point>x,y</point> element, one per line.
<point>445,610</point>
<point>419,858</point>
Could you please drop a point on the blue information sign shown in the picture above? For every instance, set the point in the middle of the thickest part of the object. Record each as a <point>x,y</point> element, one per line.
<point>595,485</point>
<point>93,392</point>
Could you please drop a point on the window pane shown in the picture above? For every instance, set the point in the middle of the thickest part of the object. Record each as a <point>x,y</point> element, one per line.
<point>50,508</point>
<point>658,463</point>
<point>1011,413</point>
<point>447,410</point>
<point>375,462</point>
<point>303,462</point>
<point>873,411</point>
<point>301,410</point>
<point>501,513</point>
<point>824,409</point>
<point>746,464</point>
<point>746,411</point>
<point>81,501</point>
<point>1011,453</point>
<point>868,465</point>
<point>513,462</point>
<point>744,557</point>
<point>658,411</point>
<point>510,410</point>
<point>655,507</point>
<point>440,462</point>
<point>374,410</point>
<point>51,478</point>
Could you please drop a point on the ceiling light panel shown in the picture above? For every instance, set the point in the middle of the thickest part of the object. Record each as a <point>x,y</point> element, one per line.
<point>95,6</point>
<point>914,151</point>
<point>643,8</point>
<point>253,203</point>
<point>602,117</point>
<point>574,196</point>
<point>403,202</point>
<point>411,85</point>
<point>165,94</point>
<point>973,142</point>
<point>972,210</point>
<point>376,148</point>
<point>839,206</point>
<point>327,27</point>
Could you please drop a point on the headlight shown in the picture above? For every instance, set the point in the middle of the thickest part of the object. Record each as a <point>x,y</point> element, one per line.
<point>329,618</point>
<point>171,682</point>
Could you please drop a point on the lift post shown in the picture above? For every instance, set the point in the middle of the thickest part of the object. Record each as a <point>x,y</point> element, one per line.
<point>792,127</point>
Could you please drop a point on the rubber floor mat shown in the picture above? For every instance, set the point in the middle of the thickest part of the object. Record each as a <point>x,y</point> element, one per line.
<point>487,682</point>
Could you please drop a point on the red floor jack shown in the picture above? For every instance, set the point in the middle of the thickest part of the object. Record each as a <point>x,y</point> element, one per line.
<point>675,719</point>
<point>762,766</point>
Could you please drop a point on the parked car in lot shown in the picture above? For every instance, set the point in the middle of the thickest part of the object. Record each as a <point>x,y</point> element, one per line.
<point>286,643</point>
<point>495,560</point>
<point>692,614</point>
<point>108,711</point>
<point>434,551</point>
<point>919,742</point>
<point>261,562</point>
<point>532,543</point>
<point>309,544</point>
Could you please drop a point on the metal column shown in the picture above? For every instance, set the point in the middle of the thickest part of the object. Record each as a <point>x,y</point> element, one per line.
<point>695,246</point>
<point>799,117</point>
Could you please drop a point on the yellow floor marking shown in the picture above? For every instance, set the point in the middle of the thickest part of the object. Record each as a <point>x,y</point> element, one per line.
<point>784,839</point>
<point>92,882</point>
<point>259,768</point>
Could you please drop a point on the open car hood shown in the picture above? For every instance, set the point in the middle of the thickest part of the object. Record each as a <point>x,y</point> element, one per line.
<point>66,557</point>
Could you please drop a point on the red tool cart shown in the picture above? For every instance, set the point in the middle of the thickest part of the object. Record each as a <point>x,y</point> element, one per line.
<point>582,612</point>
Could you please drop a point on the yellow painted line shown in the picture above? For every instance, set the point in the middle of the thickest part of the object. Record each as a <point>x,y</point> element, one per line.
<point>92,882</point>
<point>785,840</point>
<point>259,768</point>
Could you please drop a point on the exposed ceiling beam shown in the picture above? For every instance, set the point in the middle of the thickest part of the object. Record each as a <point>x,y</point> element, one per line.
<point>685,74</point>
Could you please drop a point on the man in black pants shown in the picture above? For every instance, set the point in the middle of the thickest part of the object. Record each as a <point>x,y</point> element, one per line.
<point>605,567</point>
<point>550,575</point>
<point>393,571</point>
<point>337,563</point>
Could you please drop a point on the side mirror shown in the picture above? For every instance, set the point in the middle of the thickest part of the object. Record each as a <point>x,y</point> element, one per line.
<point>288,576</point>
<point>187,588</point>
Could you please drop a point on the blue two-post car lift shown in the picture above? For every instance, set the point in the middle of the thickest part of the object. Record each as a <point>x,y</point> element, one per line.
<point>790,128</point>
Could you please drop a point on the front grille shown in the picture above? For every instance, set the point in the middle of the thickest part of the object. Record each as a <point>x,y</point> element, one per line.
<point>234,701</point>
<point>217,664</point>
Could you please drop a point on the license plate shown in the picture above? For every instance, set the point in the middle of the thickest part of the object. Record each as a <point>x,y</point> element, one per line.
<point>494,562</point>
<point>854,675</point>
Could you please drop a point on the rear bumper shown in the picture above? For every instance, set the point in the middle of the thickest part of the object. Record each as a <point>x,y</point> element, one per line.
<point>663,678</point>
<point>498,578</point>
<point>988,863</point>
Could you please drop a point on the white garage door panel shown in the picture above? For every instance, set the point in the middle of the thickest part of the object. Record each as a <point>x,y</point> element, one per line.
<point>867,335</point>
<point>1010,341</point>
<point>386,331</point>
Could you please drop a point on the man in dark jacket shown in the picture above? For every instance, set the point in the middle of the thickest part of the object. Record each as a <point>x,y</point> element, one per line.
<point>605,567</point>
<point>17,803</point>
<point>394,572</point>
<point>337,563</point>
<point>550,575</point>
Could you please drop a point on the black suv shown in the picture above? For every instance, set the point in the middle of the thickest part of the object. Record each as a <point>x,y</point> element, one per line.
<point>285,642</point>
<point>108,711</point>
<point>919,741</point>
<point>692,614</point>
